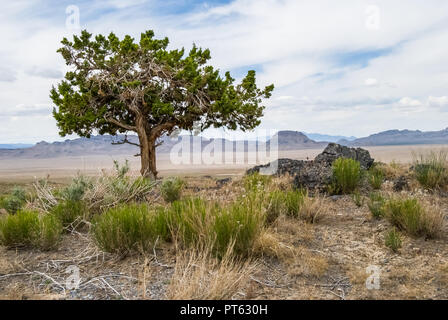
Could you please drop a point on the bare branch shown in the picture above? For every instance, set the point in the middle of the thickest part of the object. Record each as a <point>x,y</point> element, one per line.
<point>125,140</point>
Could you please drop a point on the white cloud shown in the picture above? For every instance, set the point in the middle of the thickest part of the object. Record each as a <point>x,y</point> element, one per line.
<point>409,102</point>
<point>438,101</point>
<point>311,50</point>
<point>371,82</point>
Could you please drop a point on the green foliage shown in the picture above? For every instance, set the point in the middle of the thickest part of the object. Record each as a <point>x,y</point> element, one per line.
<point>76,190</point>
<point>358,199</point>
<point>191,220</point>
<point>377,205</point>
<point>406,214</point>
<point>410,215</point>
<point>50,230</point>
<point>121,170</point>
<point>131,227</point>
<point>14,201</point>
<point>346,175</point>
<point>375,176</point>
<point>164,89</point>
<point>294,201</point>
<point>393,240</point>
<point>27,228</point>
<point>237,225</point>
<point>71,213</point>
<point>431,170</point>
<point>275,206</point>
<point>171,189</point>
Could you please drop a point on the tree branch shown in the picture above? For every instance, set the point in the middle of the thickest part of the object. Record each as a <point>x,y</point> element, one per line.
<point>126,141</point>
<point>120,124</point>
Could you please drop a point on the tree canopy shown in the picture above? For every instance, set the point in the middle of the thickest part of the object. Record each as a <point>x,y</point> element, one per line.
<point>116,86</point>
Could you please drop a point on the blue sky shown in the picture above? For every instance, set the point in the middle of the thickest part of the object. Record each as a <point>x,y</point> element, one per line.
<point>349,67</point>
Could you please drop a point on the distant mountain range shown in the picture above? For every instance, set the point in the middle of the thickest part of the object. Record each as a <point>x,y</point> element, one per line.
<point>103,145</point>
<point>400,137</point>
<point>15,145</point>
<point>327,138</point>
<point>287,140</point>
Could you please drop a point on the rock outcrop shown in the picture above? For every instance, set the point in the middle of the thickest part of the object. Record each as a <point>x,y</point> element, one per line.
<point>334,151</point>
<point>317,173</point>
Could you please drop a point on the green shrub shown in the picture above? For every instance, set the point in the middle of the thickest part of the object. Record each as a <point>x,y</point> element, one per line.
<point>410,215</point>
<point>130,227</point>
<point>346,175</point>
<point>393,240</point>
<point>294,201</point>
<point>190,220</point>
<point>27,228</point>
<point>195,222</point>
<point>406,214</point>
<point>76,190</point>
<point>377,205</point>
<point>431,170</point>
<point>50,230</point>
<point>171,189</point>
<point>71,213</point>
<point>237,226</point>
<point>375,177</point>
<point>358,199</point>
<point>121,170</point>
<point>14,201</point>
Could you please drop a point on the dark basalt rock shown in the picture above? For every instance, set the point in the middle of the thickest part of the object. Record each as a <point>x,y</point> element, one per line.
<point>221,182</point>
<point>279,167</point>
<point>401,183</point>
<point>315,174</point>
<point>334,151</point>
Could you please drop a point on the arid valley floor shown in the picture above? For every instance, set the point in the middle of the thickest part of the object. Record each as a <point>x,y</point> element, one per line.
<point>291,259</point>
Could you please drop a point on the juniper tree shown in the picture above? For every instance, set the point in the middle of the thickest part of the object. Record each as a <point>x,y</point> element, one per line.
<point>119,86</point>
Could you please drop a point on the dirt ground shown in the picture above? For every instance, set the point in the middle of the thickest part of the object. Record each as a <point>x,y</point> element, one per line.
<point>332,261</point>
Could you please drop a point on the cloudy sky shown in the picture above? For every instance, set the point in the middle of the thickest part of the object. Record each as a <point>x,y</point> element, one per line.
<point>349,67</point>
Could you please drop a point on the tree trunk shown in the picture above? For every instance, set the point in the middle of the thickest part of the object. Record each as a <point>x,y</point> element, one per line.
<point>148,160</point>
<point>147,151</point>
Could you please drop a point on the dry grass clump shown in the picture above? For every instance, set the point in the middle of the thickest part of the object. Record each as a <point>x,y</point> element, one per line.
<point>313,209</point>
<point>294,203</point>
<point>431,170</point>
<point>393,170</point>
<point>199,275</point>
<point>308,264</point>
<point>99,193</point>
<point>269,245</point>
